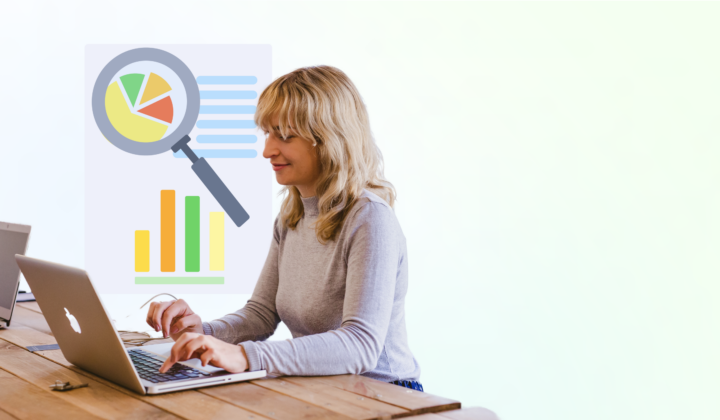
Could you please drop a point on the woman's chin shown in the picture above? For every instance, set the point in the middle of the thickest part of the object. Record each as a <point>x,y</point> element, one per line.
<point>282,180</point>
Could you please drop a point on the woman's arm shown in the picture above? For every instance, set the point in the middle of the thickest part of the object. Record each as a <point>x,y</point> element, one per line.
<point>258,319</point>
<point>375,242</point>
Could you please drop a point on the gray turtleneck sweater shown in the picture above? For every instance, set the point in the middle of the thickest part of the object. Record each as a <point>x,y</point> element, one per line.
<point>344,301</point>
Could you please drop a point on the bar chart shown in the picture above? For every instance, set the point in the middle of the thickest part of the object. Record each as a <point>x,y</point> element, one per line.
<point>215,259</point>
<point>151,226</point>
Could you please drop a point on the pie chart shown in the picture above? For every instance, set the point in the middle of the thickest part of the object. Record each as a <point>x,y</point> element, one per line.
<point>140,106</point>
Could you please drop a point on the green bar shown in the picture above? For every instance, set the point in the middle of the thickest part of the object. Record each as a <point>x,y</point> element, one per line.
<point>192,234</point>
<point>179,280</point>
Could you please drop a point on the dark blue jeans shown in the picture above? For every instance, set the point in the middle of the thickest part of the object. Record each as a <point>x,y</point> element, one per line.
<point>417,386</point>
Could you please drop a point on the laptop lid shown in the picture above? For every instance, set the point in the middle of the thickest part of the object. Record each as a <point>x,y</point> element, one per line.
<point>13,240</point>
<point>79,321</point>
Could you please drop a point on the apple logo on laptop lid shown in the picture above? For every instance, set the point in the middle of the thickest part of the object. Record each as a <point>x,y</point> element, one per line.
<point>73,321</point>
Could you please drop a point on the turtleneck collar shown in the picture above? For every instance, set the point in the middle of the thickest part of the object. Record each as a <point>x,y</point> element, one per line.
<point>310,206</point>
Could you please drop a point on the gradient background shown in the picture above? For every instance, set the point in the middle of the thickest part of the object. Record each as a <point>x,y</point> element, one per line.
<point>556,166</point>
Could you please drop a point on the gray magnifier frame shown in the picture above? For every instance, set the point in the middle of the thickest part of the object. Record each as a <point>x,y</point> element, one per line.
<point>175,141</point>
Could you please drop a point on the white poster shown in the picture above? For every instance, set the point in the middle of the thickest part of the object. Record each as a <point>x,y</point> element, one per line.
<point>151,224</point>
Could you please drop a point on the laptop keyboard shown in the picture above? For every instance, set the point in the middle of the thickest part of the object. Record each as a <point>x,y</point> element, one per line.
<point>147,365</point>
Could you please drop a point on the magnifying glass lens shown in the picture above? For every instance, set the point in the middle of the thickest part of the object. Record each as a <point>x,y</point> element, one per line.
<point>145,101</point>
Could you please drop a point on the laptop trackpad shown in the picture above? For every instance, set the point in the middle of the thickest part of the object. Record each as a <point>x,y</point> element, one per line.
<point>164,351</point>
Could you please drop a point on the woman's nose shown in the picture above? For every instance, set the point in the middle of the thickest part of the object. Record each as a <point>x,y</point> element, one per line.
<point>270,149</point>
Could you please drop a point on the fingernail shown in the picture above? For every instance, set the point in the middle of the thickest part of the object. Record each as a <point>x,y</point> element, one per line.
<point>174,330</point>
<point>157,328</point>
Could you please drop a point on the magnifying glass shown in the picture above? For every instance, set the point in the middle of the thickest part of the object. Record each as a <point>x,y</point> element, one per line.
<point>145,102</point>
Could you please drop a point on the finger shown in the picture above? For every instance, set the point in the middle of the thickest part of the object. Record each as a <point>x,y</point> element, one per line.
<point>151,314</point>
<point>183,349</point>
<point>184,323</point>
<point>175,352</point>
<point>194,347</point>
<point>158,311</point>
<point>207,356</point>
<point>177,309</point>
<point>154,307</point>
<point>148,318</point>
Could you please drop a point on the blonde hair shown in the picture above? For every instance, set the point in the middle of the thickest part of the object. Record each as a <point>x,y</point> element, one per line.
<point>323,105</point>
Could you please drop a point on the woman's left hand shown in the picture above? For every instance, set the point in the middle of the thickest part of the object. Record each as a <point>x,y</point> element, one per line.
<point>208,349</point>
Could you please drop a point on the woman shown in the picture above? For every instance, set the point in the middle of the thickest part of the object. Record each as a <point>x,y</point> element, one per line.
<point>337,271</point>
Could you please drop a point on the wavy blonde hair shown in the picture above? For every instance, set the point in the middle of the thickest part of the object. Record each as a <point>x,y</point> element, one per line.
<point>322,105</point>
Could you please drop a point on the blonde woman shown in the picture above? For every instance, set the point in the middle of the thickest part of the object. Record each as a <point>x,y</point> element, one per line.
<point>337,270</point>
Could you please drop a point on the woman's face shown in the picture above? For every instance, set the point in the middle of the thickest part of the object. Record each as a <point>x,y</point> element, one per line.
<point>294,160</point>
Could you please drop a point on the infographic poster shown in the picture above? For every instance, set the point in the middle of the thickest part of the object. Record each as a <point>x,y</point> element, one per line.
<point>158,220</point>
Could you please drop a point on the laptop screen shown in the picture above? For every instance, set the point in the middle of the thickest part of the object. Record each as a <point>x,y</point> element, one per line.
<point>13,240</point>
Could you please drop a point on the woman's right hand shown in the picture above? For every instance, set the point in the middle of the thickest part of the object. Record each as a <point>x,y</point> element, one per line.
<point>173,318</point>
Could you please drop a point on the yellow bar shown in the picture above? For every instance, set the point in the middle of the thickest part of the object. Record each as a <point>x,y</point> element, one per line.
<point>167,231</point>
<point>217,241</point>
<point>142,251</point>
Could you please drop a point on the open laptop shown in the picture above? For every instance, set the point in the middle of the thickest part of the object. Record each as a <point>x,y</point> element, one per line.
<point>13,240</point>
<point>87,338</point>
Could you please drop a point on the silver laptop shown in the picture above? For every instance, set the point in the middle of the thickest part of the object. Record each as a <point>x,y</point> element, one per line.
<point>13,240</point>
<point>88,339</point>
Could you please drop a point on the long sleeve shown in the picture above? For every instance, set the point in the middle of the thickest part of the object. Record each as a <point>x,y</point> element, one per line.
<point>373,247</point>
<point>258,319</point>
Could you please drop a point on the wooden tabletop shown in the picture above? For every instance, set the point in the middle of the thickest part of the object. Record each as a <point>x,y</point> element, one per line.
<point>25,378</point>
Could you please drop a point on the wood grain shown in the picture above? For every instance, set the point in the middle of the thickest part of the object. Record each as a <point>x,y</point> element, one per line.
<point>33,306</point>
<point>23,400</point>
<point>270,404</point>
<point>98,398</point>
<point>5,415</point>
<point>332,398</point>
<point>27,318</point>
<point>187,404</point>
<point>415,401</point>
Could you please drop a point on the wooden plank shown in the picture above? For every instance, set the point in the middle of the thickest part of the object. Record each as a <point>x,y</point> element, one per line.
<point>415,401</point>
<point>188,404</point>
<point>25,317</point>
<point>269,403</point>
<point>33,306</point>
<point>331,398</point>
<point>98,398</point>
<point>6,416</point>
<point>26,401</point>
<point>25,336</point>
<point>197,406</point>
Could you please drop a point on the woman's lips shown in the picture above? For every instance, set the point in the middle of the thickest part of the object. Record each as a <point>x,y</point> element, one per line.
<point>277,167</point>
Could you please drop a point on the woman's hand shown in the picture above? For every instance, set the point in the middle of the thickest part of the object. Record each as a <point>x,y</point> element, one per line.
<point>173,318</point>
<point>209,350</point>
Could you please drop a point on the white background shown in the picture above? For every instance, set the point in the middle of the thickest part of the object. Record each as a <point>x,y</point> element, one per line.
<point>557,169</point>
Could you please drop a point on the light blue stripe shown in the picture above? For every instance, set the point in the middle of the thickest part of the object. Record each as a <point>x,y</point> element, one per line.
<point>226,80</point>
<point>219,153</point>
<point>226,138</point>
<point>228,94</point>
<point>226,124</point>
<point>227,109</point>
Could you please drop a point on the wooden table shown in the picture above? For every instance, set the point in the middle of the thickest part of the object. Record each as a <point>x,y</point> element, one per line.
<point>25,394</point>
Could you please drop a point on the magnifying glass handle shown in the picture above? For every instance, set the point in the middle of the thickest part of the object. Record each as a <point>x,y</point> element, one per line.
<point>213,183</point>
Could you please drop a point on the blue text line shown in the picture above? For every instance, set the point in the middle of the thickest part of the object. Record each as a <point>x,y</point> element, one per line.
<point>226,138</point>
<point>226,80</point>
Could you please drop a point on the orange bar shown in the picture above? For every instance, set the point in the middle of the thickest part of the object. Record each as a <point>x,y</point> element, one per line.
<point>167,231</point>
